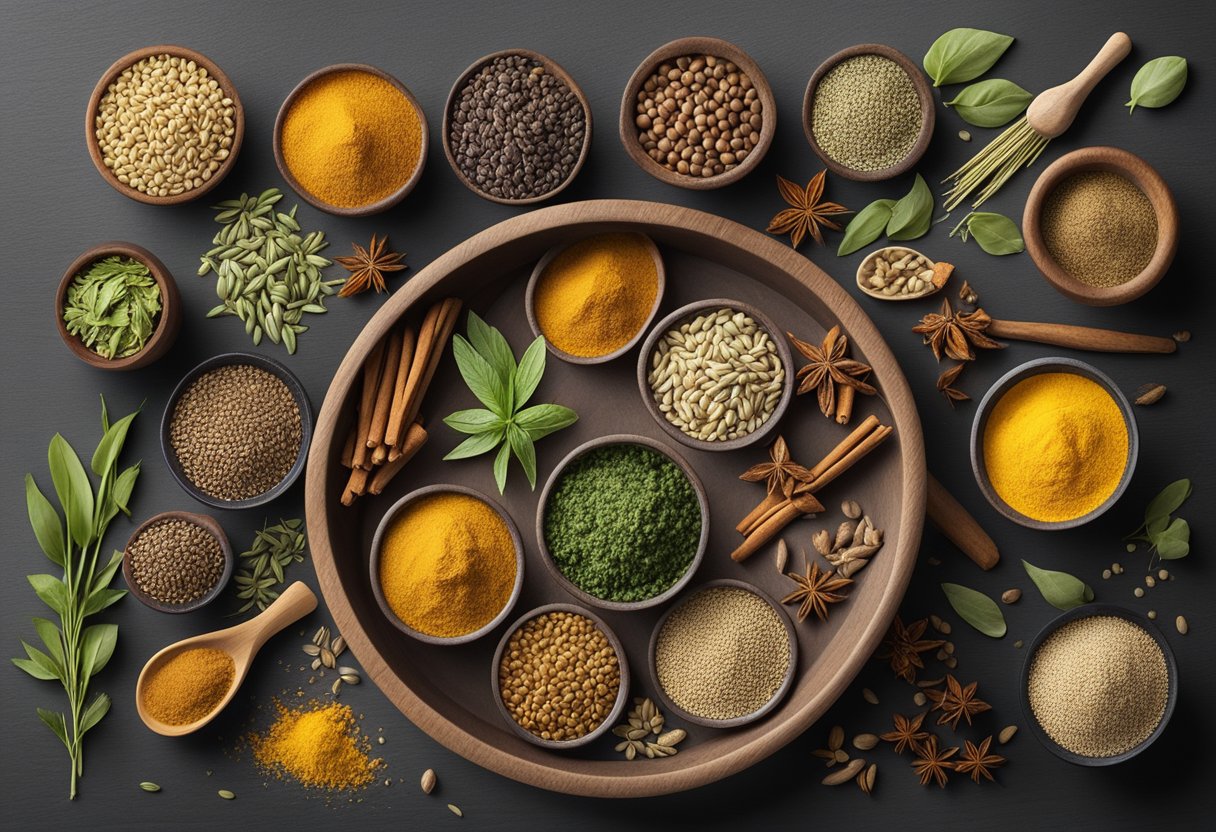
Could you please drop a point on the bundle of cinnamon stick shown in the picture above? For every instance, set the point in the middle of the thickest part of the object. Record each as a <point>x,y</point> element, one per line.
<point>777,511</point>
<point>388,429</point>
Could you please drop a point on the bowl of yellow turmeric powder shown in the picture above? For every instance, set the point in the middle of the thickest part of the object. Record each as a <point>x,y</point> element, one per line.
<point>1054,444</point>
<point>447,564</point>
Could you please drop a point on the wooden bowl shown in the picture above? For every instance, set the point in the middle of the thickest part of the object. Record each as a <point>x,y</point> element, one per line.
<point>554,68</point>
<point>374,564</point>
<point>530,308</point>
<point>622,696</point>
<point>928,112</point>
<point>358,210</point>
<point>683,314</point>
<point>1144,177</point>
<point>262,363</point>
<point>733,722</point>
<point>116,69</point>
<point>168,322</point>
<point>212,527</point>
<point>1033,368</point>
<point>697,46</point>
<point>1086,611</point>
<point>866,262</point>
<point>542,508</point>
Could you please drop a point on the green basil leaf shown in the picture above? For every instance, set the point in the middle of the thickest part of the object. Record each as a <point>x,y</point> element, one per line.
<point>1061,590</point>
<point>1174,541</point>
<point>543,419</point>
<point>912,215</point>
<point>73,488</point>
<point>99,707</point>
<point>46,522</point>
<point>50,668</point>
<point>500,466</point>
<point>52,591</point>
<point>990,103</point>
<point>123,486</point>
<point>55,722</point>
<point>963,54</point>
<point>528,375</point>
<point>477,444</point>
<point>36,670</point>
<point>995,233</point>
<point>97,645</point>
<point>1158,83</point>
<point>1167,502</point>
<point>111,444</point>
<point>482,379</point>
<point>51,637</point>
<point>524,450</point>
<point>492,346</point>
<point>101,598</point>
<point>473,421</point>
<point>977,609</point>
<point>866,226</point>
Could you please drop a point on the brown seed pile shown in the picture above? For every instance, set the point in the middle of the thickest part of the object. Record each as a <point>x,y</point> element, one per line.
<point>176,561</point>
<point>236,431</point>
<point>722,654</point>
<point>1098,685</point>
<point>1100,228</point>
<point>164,126</point>
<point>559,676</point>
<point>699,115</point>
<point>866,113</point>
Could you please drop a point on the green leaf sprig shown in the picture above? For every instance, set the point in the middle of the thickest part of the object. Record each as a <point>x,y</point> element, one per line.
<point>904,219</point>
<point>1158,83</point>
<point>265,562</point>
<point>112,306</point>
<point>1170,539</point>
<point>1061,590</point>
<point>995,233</point>
<point>74,653</point>
<point>993,102</point>
<point>977,609</point>
<point>487,364</point>
<point>964,54</point>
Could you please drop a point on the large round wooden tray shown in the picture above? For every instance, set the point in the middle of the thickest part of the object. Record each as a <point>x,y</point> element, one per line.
<point>445,690</point>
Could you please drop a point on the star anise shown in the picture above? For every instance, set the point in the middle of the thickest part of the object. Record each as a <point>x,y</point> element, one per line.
<point>907,733</point>
<point>904,645</point>
<point>368,266</point>
<point>829,367</point>
<point>780,472</point>
<point>956,702</point>
<point>932,763</point>
<point>816,589</point>
<point>945,385</point>
<point>967,294</point>
<point>807,212</point>
<point>954,333</point>
<point>977,761</point>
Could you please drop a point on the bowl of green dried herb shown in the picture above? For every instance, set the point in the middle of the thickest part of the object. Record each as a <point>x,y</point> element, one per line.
<point>117,307</point>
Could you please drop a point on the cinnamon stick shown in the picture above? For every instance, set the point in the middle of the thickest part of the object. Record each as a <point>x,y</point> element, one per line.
<point>765,532</point>
<point>844,404</point>
<point>348,449</point>
<point>959,527</point>
<point>409,343</point>
<point>754,517</point>
<point>373,365</point>
<point>845,463</point>
<point>415,438</point>
<point>355,486</point>
<point>445,324</point>
<point>384,393</point>
<point>397,425</point>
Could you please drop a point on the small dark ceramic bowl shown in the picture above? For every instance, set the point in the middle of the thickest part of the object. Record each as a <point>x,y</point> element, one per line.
<point>786,684</point>
<point>622,696</point>
<point>1002,386</point>
<point>212,527</point>
<point>306,422</point>
<point>530,306</point>
<point>692,310</point>
<point>357,210</point>
<point>1085,611</point>
<point>543,507</point>
<point>928,112</point>
<point>374,565</point>
<point>168,322</point>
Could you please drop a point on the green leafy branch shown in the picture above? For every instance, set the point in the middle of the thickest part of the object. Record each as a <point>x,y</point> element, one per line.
<point>1170,539</point>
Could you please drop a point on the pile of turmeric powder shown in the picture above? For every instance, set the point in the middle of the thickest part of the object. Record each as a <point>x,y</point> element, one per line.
<point>318,745</point>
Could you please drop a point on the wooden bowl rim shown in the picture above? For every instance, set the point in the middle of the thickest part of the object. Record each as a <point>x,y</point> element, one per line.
<point>776,335</point>
<point>207,523</point>
<point>734,722</point>
<point>698,45</point>
<point>861,284</point>
<point>562,75</point>
<point>221,78</point>
<point>298,393</point>
<point>1086,611</point>
<point>358,210</point>
<point>543,263</point>
<point>167,321</point>
<point>374,563</point>
<point>542,507</point>
<point>928,112</point>
<point>1141,174</point>
<point>622,662</point>
<point>1040,366</point>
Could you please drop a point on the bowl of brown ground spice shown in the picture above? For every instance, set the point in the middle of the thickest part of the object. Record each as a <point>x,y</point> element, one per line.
<point>1101,225</point>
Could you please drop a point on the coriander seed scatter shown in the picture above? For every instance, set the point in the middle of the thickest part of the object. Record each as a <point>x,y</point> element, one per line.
<point>866,113</point>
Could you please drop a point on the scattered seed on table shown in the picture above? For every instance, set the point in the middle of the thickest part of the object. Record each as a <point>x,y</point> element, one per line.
<point>1181,624</point>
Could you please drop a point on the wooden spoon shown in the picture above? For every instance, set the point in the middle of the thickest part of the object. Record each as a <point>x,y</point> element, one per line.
<point>1053,110</point>
<point>1080,337</point>
<point>241,642</point>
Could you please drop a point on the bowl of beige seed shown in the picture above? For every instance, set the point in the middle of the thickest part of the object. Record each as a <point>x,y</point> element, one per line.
<point>164,125</point>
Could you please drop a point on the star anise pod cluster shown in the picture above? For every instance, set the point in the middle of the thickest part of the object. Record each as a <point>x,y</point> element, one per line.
<point>932,763</point>
<point>368,267</point>
<point>829,368</point>
<point>955,333</point>
<point>978,761</point>
<point>956,702</point>
<point>904,645</point>
<point>780,473</point>
<point>908,733</point>
<point>807,211</point>
<point>945,385</point>
<point>815,590</point>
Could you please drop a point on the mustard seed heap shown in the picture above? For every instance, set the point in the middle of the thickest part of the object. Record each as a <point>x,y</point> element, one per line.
<point>175,561</point>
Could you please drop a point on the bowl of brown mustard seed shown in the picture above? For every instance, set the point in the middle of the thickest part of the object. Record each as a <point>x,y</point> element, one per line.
<point>177,561</point>
<point>236,430</point>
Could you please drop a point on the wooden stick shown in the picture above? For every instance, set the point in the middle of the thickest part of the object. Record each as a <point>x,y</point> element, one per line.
<point>409,342</point>
<point>445,324</point>
<point>373,365</point>
<point>415,438</point>
<point>355,486</point>
<point>397,424</point>
<point>384,395</point>
<point>348,449</point>
<point>959,526</point>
